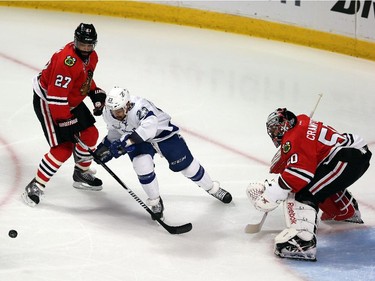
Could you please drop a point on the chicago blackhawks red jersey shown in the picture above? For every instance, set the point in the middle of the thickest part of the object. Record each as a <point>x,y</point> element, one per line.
<point>65,81</point>
<point>306,146</point>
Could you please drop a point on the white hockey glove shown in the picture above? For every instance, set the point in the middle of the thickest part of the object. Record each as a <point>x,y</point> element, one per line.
<point>266,196</point>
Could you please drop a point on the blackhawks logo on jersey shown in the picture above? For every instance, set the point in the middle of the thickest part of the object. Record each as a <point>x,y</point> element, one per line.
<point>286,147</point>
<point>70,61</point>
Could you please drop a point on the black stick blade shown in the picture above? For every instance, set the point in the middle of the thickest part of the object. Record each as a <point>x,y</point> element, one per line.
<point>177,229</point>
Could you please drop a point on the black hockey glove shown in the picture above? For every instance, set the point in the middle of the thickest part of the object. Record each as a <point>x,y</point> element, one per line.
<point>97,97</point>
<point>121,146</point>
<point>68,128</point>
<point>102,152</point>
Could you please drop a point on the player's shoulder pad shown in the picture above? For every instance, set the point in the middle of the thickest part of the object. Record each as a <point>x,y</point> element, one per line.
<point>67,56</point>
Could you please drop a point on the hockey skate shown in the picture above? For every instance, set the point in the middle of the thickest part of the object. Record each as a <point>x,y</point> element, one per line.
<point>86,180</point>
<point>33,193</point>
<point>157,207</point>
<point>356,218</point>
<point>296,248</point>
<point>219,193</point>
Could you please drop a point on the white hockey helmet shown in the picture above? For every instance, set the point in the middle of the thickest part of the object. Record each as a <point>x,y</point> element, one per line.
<point>117,98</point>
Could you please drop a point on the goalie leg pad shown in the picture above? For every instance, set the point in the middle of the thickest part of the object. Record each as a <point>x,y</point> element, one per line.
<point>341,206</point>
<point>300,216</point>
<point>298,240</point>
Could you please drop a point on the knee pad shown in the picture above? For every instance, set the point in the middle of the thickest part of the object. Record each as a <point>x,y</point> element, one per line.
<point>143,164</point>
<point>192,170</point>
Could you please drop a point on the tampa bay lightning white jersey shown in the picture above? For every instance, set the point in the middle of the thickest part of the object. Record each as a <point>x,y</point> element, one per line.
<point>149,122</point>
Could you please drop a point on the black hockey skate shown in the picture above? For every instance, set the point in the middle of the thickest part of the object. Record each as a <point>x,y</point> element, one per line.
<point>33,193</point>
<point>296,248</point>
<point>157,207</point>
<point>220,193</point>
<point>86,180</point>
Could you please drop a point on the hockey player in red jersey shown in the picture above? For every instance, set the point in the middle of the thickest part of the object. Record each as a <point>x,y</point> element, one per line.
<point>316,165</point>
<point>59,93</point>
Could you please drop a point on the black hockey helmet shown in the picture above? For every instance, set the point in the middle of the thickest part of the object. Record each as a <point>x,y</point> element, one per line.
<point>86,33</point>
<point>278,123</point>
<point>85,39</point>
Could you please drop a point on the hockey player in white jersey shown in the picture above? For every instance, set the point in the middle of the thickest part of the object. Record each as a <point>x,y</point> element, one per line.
<point>138,128</point>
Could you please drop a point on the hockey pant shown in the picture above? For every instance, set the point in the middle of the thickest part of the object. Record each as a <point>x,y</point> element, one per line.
<point>345,168</point>
<point>179,157</point>
<point>61,150</point>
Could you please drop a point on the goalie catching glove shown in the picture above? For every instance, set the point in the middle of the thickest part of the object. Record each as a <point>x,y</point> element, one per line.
<point>266,196</point>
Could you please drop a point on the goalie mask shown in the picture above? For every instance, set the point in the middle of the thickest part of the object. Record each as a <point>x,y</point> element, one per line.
<point>278,123</point>
<point>118,102</point>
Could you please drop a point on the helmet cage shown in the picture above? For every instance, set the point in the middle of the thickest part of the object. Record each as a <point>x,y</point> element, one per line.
<point>277,125</point>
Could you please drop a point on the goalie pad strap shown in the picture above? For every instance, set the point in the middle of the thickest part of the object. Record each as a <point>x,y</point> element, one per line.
<point>338,206</point>
<point>285,235</point>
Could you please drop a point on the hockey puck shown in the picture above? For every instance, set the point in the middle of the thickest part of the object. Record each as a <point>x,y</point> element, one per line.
<point>12,233</point>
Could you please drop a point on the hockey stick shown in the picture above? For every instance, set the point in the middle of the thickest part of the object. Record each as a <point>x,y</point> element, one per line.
<point>256,227</point>
<point>171,229</point>
<point>316,105</point>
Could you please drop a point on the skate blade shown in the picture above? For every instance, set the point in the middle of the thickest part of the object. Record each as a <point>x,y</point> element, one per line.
<point>297,256</point>
<point>84,186</point>
<point>27,200</point>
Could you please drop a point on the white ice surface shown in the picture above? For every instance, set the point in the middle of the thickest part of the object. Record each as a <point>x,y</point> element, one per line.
<point>219,88</point>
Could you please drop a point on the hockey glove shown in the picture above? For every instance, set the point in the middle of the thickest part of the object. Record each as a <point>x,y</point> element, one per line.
<point>121,146</point>
<point>102,152</point>
<point>68,128</point>
<point>266,196</point>
<point>97,97</point>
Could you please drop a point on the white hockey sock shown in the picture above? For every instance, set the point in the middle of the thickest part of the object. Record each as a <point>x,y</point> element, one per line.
<point>197,174</point>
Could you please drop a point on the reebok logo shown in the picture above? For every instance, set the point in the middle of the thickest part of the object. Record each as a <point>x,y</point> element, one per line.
<point>291,213</point>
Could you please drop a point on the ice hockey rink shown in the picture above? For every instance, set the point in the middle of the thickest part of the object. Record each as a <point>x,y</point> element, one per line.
<point>219,88</point>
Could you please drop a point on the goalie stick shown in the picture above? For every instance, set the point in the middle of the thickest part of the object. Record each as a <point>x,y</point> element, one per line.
<point>255,228</point>
<point>171,229</point>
